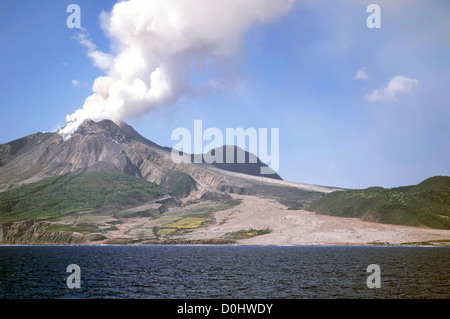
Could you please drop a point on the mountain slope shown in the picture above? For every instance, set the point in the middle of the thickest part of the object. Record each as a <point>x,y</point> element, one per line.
<point>102,146</point>
<point>95,147</point>
<point>424,205</point>
<point>58,196</point>
<point>108,148</point>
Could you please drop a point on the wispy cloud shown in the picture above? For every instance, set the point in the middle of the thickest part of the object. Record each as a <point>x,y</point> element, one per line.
<point>77,83</point>
<point>397,85</point>
<point>361,74</point>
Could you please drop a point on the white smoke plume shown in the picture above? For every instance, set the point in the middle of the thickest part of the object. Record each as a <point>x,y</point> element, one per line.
<point>155,46</point>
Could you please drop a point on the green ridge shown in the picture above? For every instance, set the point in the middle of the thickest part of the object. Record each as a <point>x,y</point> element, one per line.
<point>424,205</point>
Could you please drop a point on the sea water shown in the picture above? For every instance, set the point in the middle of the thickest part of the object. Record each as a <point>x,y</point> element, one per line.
<point>188,272</point>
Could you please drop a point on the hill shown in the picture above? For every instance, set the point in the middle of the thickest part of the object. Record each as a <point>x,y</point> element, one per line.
<point>249,167</point>
<point>423,205</point>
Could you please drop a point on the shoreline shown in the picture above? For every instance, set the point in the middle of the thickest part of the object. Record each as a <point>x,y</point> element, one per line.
<point>406,245</point>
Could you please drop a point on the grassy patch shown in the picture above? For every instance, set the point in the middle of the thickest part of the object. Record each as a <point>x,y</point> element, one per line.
<point>186,218</point>
<point>247,233</point>
<point>179,183</point>
<point>56,227</point>
<point>111,228</point>
<point>189,223</point>
<point>182,224</point>
<point>61,195</point>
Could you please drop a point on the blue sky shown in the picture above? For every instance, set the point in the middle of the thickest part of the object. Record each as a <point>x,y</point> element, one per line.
<point>389,127</point>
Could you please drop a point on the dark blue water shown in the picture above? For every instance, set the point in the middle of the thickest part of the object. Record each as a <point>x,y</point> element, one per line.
<point>224,272</point>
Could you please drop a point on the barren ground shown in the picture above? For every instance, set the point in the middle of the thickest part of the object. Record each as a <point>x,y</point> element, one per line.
<point>299,227</point>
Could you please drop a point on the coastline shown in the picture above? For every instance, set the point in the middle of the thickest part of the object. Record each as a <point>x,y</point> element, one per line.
<point>259,221</point>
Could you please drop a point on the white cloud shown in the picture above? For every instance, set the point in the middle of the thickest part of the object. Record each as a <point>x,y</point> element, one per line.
<point>361,74</point>
<point>157,45</point>
<point>77,83</point>
<point>397,85</point>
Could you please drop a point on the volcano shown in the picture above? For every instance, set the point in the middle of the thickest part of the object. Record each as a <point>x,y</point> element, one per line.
<point>107,184</point>
<point>109,147</point>
<point>106,172</point>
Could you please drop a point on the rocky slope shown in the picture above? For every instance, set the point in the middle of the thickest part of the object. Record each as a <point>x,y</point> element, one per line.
<point>33,232</point>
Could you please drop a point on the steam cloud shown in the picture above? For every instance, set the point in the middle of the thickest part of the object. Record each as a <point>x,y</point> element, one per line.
<point>156,44</point>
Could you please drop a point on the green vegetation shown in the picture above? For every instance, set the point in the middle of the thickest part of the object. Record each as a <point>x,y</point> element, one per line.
<point>191,217</point>
<point>248,233</point>
<point>55,228</point>
<point>214,241</point>
<point>188,223</point>
<point>179,183</point>
<point>424,205</point>
<point>56,196</point>
<point>183,224</point>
